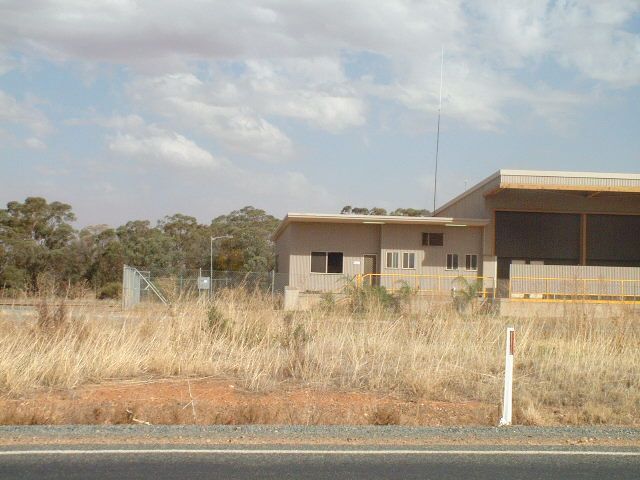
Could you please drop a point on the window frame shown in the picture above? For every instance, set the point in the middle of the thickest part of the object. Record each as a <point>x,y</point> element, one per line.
<point>326,263</point>
<point>468,262</point>
<point>457,262</point>
<point>410,255</point>
<point>393,255</point>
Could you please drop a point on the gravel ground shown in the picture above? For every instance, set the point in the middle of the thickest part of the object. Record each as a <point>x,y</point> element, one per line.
<point>293,434</point>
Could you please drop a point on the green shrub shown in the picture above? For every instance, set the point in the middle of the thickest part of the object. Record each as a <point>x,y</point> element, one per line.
<point>363,298</point>
<point>110,291</point>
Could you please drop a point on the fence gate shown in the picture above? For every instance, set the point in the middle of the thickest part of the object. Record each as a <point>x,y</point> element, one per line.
<point>133,282</point>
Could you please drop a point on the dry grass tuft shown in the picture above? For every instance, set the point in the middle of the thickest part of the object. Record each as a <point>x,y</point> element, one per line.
<point>569,371</point>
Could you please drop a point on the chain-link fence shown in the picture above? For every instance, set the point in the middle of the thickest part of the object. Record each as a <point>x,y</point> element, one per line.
<point>144,285</point>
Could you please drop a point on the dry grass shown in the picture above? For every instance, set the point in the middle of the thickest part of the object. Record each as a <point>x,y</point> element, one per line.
<point>575,370</point>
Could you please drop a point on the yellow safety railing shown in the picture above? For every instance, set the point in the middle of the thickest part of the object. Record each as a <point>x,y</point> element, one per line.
<point>565,288</point>
<point>436,284</point>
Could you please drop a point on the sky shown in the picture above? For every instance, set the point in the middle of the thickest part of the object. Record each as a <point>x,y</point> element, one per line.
<point>137,109</point>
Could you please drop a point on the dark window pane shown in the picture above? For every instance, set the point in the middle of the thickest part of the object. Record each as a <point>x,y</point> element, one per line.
<point>436,239</point>
<point>334,262</point>
<point>538,236</point>
<point>433,239</point>
<point>319,262</point>
<point>613,240</point>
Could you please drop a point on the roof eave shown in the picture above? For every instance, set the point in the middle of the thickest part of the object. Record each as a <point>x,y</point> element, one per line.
<point>374,219</point>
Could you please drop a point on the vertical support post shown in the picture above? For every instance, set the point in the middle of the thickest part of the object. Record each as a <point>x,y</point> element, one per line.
<point>507,399</point>
<point>273,285</point>
<point>124,287</point>
<point>583,239</point>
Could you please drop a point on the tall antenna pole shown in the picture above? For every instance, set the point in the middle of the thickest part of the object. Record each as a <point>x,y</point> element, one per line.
<point>435,177</point>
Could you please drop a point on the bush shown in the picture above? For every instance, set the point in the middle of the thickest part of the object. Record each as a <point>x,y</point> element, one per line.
<point>217,322</point>
<point>110,291</point>
<point>364,298</point>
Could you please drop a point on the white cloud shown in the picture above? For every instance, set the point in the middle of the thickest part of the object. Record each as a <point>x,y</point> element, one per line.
<point>588,36</point>
<point>158,145</point>
<point>183,99</point>
<point>24,114</point>
<point>35,143</point>
<point>300,74</point>
<point>241,73</point>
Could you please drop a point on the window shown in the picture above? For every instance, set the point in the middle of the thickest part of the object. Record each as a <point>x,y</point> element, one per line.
<point>431,239</point>
<point>471,262</point>
<point>452,261</point>
<point>408,260</point>
<point>326,262</point>
<point>334,262</point>
<point>392,259</point>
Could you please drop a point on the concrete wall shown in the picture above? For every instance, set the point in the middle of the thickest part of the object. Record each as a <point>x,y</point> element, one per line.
<point>565,310</point>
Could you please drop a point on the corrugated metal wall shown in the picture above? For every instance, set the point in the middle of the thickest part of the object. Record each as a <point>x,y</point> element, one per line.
<point>569,181</point>
<point>574,280</point>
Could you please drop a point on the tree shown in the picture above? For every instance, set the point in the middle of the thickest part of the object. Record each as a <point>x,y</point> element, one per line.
<point>360,211</point>
<point>251,248</point>
<point>411,212</point>
<point>190,238</point>
<point>377,211</point>
<point>349,210</point>
<point>103,254</point>
<point>145,246</point>
<point>34,236</point>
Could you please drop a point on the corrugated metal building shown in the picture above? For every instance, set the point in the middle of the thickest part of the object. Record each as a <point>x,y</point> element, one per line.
<point>525,234</point>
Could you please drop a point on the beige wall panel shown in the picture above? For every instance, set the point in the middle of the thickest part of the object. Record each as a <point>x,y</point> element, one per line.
<point>353,241</point>
<point>472,205</point>
<point>408,238</point>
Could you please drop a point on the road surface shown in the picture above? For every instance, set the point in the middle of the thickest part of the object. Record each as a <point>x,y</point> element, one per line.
<point>318,462</point>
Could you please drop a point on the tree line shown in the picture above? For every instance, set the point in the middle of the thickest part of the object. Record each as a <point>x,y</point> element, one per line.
<point>37,237</point>
<point>402,212</point>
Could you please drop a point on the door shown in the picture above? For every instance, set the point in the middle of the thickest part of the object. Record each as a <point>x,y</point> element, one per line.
<point>370,268</point>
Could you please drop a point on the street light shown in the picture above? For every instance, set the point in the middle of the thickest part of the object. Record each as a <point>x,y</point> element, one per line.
<point>213,239</point>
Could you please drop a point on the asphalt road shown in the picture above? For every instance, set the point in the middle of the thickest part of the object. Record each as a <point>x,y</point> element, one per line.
<point>277,462</point>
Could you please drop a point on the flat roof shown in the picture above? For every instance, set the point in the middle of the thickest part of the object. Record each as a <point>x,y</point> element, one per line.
<point>506,179</point>
<point>375,220</point>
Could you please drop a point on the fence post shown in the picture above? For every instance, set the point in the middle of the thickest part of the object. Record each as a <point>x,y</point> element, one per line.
<point>273,285</point>
<point>507,399</point>
<point>124,287</point>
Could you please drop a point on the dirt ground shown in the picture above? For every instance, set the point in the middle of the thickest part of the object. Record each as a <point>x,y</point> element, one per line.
<point>214,401</point>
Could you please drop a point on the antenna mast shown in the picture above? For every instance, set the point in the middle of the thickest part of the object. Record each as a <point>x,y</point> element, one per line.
<point>435,177</point>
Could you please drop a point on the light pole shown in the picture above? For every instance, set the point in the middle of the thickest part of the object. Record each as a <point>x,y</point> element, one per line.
<point>213,239</point>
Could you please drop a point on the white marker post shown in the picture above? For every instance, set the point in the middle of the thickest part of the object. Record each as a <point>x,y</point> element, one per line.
<point>507,400</point>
